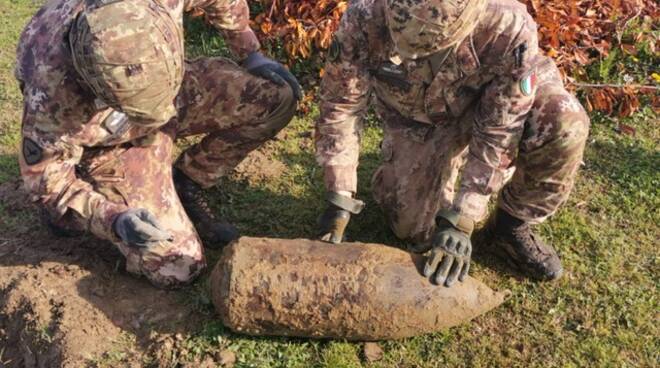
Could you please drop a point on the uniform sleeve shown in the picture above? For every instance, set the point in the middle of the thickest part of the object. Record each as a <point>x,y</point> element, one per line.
<point>232,19</point>
<point>498,125</point>
<point>344,96</point>
<point>48,172</point>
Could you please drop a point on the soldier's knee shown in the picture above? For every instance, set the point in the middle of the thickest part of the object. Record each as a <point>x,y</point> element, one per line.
<point>171,266</point>
<point>408,228</point>
<point>287,97</point>
<point>582,126</point>
<point>176,273</point>
<point>385,196</point>
<point>284,111</point>
<point>400,229</point>
<point>559,117</point>
<point>412,232</point>
<point>574,125</point>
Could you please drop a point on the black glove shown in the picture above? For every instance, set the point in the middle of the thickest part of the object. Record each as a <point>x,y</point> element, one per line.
<point>256,63</point>
<point>139,228</point>
<point>450,247</point>
<point>333,221</point>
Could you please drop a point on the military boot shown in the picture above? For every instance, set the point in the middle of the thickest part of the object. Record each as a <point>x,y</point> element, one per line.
<point>58,230</point>
<point>513,240</point>
<point>214,230</point>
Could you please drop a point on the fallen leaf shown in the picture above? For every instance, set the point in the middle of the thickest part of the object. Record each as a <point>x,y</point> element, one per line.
<point>208,362</point>
<point>226,358</point>
<point>372,352</point>
<point>626,129</point>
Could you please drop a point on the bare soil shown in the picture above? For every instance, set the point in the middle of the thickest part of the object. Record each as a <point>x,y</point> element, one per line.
<point>258,167</point>
<point>67,302</point>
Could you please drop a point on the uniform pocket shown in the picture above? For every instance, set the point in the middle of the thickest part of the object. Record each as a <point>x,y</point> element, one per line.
<point>401,87</point>
<point>105,171</point>
<point>456,85</point>
<point>435,103</point>
<point>401,99</point>
<point>112,185</point>
<point>446,100</point>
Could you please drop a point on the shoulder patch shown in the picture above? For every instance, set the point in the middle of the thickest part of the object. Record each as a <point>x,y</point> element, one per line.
<point>335,50</point>
<point>528,83</point>
<point>32,153</point>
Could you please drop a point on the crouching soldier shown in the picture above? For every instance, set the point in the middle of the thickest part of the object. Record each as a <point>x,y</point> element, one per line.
<point>462,93</point>
<point>107,92</point>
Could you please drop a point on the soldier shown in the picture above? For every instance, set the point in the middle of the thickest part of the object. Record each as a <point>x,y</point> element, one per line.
<point>462,93</point>
<point>107,91</point>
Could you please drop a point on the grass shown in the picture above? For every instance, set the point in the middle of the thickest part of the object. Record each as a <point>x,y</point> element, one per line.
<point>603,313</point>
<point>14,16</point>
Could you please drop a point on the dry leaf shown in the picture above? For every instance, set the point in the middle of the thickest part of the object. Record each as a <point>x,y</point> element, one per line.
<point>372,352</point>
<point>626,129</point>
<point>226,358</point>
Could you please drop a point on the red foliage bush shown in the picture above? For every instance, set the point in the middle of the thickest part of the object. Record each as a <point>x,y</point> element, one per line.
<point>576,33</point>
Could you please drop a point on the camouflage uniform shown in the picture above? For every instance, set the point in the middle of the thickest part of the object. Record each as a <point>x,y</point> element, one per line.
<point>85,172</point>
<point>488,104</point>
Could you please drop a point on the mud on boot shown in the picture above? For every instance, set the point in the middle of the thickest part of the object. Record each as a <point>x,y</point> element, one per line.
<point>513,240</point>
<point>214,231</point>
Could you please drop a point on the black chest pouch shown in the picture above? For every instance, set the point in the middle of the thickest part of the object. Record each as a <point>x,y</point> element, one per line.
<point>394,75</point>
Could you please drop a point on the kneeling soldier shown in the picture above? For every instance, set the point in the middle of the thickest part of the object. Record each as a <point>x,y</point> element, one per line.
<point>107,91</point>
<point>462,93</point>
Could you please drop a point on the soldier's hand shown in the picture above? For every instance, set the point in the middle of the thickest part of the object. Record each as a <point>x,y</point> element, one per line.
<point>335,219</point>
<point>451,249</point>
<point>139,228</point>
<point>256,63</point>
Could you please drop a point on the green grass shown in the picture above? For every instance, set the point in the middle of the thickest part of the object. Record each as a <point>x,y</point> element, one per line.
<point>14,15</point>
<point>603,313</point>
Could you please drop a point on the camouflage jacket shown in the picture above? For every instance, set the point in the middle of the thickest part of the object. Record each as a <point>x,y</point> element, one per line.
<point>62,118</point>
<point>487,79</point>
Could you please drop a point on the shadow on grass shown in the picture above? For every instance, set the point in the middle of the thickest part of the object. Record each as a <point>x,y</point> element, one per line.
<point>291,209</point>
<point>482,254</point>
<point>8,168</point>
<point>630,169</point>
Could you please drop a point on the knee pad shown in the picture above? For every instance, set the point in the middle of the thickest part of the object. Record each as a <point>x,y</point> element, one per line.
<point>574,125</point>
<point>557,116</point>
<point>283,113</point>
<point>173,276</point>
<point>166,268</point>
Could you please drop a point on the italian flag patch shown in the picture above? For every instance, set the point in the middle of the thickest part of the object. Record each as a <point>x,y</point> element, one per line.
<point>528,84</point>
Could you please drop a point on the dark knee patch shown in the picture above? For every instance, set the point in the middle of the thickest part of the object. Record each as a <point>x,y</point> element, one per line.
<point>284,112</point>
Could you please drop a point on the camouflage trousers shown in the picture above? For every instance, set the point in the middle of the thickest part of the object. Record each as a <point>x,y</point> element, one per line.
<point>421,163</point>
<point>236,112</point>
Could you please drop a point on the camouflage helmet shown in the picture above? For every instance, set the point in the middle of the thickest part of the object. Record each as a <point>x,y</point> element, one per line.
<point>423,27</point>
<point>130,53</point>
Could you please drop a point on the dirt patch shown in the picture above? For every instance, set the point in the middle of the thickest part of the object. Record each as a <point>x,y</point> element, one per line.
<point>65,302</point>
<point>259,166</point>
